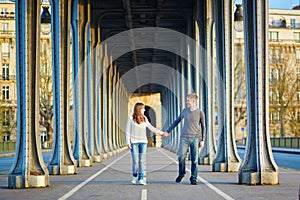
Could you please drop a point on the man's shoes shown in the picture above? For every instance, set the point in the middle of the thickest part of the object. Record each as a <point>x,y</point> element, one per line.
<point>134,180</point>
<point>193,181</point>
<point>179,178</point>
<point>142,182</point>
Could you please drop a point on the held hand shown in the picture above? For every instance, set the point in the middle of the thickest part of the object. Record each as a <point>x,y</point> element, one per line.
<point>201,145</point>
<point>129,146</point>
<point>165,134</point>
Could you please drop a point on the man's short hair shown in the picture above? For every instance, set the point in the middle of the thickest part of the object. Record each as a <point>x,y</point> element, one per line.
<point>193,96</point>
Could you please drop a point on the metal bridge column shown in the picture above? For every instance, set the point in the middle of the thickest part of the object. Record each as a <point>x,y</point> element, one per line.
<point>81,152</point>
<point>114,107</point>
<point>110,109</point>
<point>62,161</point>
<point>227,158</point>
<point>205,22</point>
<point>258,166</point>
<point>94,95</point>
<point>173,112</point>
<point>99,94</point>
<point>123,112</point>
<point>28,169</point>
<point>166,115</point>
<point>105,105</point>
<point>75,62</point>
<point>178,101</point>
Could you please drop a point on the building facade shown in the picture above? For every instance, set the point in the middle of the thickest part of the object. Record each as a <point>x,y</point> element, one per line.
<point>284,64</point>
<point>284,75</point>
<point>8,100</point>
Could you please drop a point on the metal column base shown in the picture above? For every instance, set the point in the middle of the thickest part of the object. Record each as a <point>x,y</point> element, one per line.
<point>104,156</point>
<point>66,170</point>
<point>39,181</point>
<point>205,160</point>
<point>86,163</point>
<point>226,167</point>
<point>97,158</point>
<point>257,178</point>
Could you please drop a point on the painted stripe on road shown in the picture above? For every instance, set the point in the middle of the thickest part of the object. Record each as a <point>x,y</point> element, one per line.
<point>215,189</point>
<point>144,194</point>
<point>75,189</point>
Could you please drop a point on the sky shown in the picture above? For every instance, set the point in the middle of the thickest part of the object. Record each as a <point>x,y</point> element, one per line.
<point>282,4</point>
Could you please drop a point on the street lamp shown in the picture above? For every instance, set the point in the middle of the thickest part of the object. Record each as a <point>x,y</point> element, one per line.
<point>45,20</point>
<point>238,18</point>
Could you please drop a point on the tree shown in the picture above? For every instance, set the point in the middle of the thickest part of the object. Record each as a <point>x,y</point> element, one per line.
<point>9,123</point>
<point>46,91</point>
<point>240,85</point>
<point>284,85</point>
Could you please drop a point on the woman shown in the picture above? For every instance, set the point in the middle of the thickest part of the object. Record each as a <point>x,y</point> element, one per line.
<point>136,140</point>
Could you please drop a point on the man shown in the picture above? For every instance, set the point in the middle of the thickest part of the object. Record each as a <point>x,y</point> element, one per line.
<point>194,124</point>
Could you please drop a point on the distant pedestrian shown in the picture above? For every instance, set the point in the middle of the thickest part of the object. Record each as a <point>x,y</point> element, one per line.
<point>136,139</point>
<point>192,131</point>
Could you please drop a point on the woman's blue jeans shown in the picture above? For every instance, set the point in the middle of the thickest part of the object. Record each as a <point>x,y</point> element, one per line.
<point>185,143</point>
<point>138,153</point>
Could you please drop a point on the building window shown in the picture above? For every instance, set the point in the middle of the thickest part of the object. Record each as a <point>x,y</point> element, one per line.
<point>274,117</point>
<point>293,23</point>
<point>273,97</point>
<point>297,36</point>
<point>6,137</point>
<point>44,136</point>
<point>274,36</point>
<point>298,73</point>
<point>5,50</point>
<point>4,27</point>
<point>3,12</point>
<point>298,96</point>
<point>5,71</point>
<point>298,55</point>
<point>5,92</point>
<point>278,55</point>
<point>271,54</point>
<point>274,75</point>
<point>6,115</point>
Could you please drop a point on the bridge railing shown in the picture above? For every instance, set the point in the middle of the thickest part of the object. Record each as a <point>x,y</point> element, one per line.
<point>7,146</point>
<point>283,142</point>
<point>286,142</point>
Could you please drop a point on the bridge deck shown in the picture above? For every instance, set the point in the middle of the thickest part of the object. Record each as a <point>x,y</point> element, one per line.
<point>110,179</point>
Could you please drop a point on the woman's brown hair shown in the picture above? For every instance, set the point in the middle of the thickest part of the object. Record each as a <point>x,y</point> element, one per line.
<point>137,116</point>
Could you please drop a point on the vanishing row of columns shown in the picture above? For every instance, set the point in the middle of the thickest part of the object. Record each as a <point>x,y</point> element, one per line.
<point>96,133</point>
<point>258,165</point>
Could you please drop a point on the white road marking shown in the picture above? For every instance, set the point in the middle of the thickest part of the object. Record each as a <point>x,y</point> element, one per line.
<point>215,189</point>
<point>144,194</point>
<point>75,189</point>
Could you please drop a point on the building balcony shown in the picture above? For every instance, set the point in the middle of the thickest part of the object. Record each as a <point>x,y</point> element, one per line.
<point>8,102</point>
<point>8,77</point>
<point>7,15</point>
<point>7,33</point>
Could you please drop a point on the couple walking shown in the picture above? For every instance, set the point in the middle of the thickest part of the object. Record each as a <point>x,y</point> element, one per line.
<point>192,136</point>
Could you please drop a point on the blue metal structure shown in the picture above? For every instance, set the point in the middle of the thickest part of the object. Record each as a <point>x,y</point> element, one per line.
<point>112,40</point>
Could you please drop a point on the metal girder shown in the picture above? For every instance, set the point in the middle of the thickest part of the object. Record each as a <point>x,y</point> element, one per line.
<point>28,169</point>
<point>259,166</point>
<point>62,161</point>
